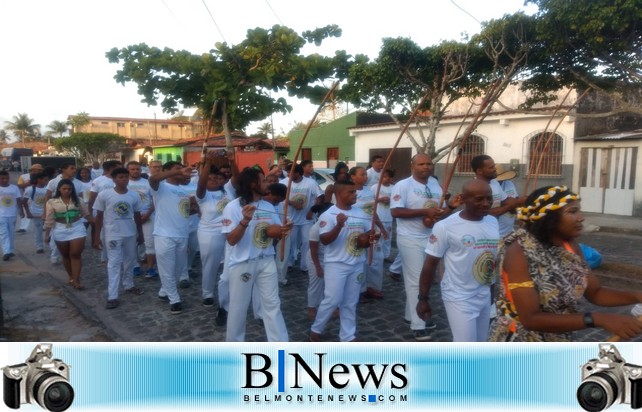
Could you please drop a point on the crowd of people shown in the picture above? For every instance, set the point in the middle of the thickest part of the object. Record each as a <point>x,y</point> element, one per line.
<point>497,282</point>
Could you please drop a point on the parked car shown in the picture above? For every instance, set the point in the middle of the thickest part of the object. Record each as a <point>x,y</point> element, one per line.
<point>323,177</point>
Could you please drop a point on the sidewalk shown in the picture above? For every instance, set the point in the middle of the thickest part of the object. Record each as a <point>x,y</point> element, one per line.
<point>35,296</point>
<point>613,223</point>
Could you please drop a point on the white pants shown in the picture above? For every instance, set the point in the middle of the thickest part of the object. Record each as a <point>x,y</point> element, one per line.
<point>24,223</point>
<point>121,259</point>
<point>171,257</point>
<point>212,246</point>
<point>316,285</point>
<point>38,235</point>
<point>8,233</point>
<point>148,247</point>
<point>412,261</point>
<point>300,242</point>
<point>374,271</point>
<point>192,248</point>
<point>342,285</point>
<point>259,274</point>
<point>396,266</point>
<point>282,265</point>
<point>469,319</point>
<point>224,282</point>
<point>386,244</point>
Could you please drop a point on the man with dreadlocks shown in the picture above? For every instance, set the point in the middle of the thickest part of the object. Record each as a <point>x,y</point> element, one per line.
<point>543,275</point>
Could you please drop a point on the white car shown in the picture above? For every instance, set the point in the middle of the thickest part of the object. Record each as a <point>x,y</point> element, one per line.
<point>323,177</point>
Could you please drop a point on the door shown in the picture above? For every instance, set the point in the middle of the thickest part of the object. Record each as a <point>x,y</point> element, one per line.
<point>607,180</point>
<point>306,154</point>
<point>332,154</point>
<point>399,162</point>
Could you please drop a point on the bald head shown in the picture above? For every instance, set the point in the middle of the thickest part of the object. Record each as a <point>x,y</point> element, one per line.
<point>475,185</point>
<point>478,198</point>
<point>421,167</point>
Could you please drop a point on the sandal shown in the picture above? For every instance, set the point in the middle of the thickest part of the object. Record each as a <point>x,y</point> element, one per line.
<point>77,286</point>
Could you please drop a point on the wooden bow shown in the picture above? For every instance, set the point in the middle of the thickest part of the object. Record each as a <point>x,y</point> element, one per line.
<point>385,165</point>
<point>296,157</point>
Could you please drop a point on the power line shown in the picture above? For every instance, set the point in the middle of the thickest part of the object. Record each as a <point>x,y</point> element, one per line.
<point>215,24</point>
<point>465,11</point>
<point>274,12</point>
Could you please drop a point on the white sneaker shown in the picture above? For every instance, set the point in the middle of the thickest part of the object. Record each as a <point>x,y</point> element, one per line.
<point>637,310</point>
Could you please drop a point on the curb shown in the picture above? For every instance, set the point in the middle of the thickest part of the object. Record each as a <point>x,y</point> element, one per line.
<point>620,230</point>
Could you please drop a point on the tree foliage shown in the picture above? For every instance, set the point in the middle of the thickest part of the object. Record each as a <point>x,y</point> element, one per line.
<point>59,127</point>
<point>23,127</point>
<point>90,147</point>
<point>78,121</point>
<point>235,83</point>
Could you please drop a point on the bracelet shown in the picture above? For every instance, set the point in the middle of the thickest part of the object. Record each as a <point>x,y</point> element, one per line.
<point>422,298</point>
<point>589,322</point>
<point>245,225</point>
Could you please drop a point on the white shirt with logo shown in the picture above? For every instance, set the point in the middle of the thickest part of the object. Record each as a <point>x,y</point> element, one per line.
<point>9,200</point>
<point>411,194</point>
<point>35,197</point>
<point>469,249</point>
<point>212,206</point>
<point>315,237</point>
<point>144,190</point>
<point>507,220</point>
<point>498,193</point>
<point>172,211</point>
<point>255,242</point>
<point>383,210</point>
<point>118,212</point>
<point>344,248</point>
<point>303,193</point>
<point>373,177</point>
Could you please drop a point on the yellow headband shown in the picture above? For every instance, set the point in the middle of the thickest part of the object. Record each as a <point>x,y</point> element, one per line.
<point>539,208</point>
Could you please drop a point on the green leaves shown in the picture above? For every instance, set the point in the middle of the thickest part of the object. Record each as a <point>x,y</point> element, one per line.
<point>90,146</point>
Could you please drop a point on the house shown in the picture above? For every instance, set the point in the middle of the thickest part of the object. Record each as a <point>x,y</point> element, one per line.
<point>151,130</point>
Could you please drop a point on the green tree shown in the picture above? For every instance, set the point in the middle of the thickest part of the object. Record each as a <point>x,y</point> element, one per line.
<point>265,130</point>
<point>4,136</point>
<point>23,127</point>
<point>233,84</point>
<point>78,121</point>
<point>90,147</point>
<point>59,127</point>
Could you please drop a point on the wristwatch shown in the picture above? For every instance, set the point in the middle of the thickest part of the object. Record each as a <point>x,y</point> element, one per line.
<point>589,322</point>
<point>422,298</point>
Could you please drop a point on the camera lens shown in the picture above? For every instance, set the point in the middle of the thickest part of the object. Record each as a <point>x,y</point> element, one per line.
<point>597,392</point>
<point>53,392</point>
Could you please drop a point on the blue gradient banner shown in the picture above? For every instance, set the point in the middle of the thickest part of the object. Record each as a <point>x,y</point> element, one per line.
<point>229,377</point>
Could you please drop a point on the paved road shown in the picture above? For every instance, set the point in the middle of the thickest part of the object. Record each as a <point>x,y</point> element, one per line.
<point>146,318</point>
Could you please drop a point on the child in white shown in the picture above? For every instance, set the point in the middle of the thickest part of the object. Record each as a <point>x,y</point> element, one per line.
<point>469,249</point>
<point>10,205</point>
<point>118,214</point>
<point>383,208</point>
<point>316,285</point>
<point>34,202</point>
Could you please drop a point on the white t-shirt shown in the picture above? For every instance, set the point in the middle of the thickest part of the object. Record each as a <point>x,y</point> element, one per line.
<point>383,210</point>
<point>194,219</point>
<point>172,210</point>
<point>498,193</point>
<point>344,248</point>
<point>373,177</point>
<point>365,200</point>
<point>78,185</point>
<point>507,220</point>
<point>255,241</point>
<point>411,194</point>
<point>118,212</point>
<point>96,173</point>
<point>9,200</point>
<point>303,193</point>
<point>86,190</point>
<point>212,206</point>
<point>144,190</point>
<point>229,189</point>
<point>37,204</point>
<point>469,249</point>
<point>315,237</point>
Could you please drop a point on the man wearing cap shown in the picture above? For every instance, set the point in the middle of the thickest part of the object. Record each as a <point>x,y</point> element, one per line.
<point>24,181</point>
<point>507,220</point>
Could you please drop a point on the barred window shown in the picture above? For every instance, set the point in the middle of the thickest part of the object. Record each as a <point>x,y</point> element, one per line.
<point>474,146</point>
<point>545,149</point>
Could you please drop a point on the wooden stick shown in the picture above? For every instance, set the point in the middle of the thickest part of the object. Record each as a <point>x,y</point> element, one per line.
<point>385,164</point>
<point>616,338</point>
<point>296,157</point>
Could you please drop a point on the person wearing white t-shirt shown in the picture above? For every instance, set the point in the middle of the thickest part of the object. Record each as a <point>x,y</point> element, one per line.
<point>24,181</point>
<point>383,208</point>
<point>507,220</point>
<point>485,169</point>
<point>141,186</point>
<point>171,228</point>
<point>303,195</point>
<point>10,207</point>
<point>212,199</point>
<point>345,232</point>
<point>251,225</point>
<point>118,214</point>
<point>99,184</point>
<point>467,241</point>
<point>375,169</point>
<point>371,288</point>
<point>34,206</point>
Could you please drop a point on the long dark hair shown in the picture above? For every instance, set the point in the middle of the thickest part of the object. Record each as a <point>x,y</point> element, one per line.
<point>74,196</point>
<point>246,178</point>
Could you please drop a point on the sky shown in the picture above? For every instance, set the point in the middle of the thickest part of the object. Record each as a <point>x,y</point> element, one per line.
<point>53,52</point>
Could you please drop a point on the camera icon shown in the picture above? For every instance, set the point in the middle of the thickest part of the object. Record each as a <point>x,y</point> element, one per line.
<point>608,380</point>
<point>41,379</point>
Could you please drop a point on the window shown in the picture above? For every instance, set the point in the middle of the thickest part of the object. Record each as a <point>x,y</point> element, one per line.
<point>168,157</point>
<point>139,124</point>
<point>545,149</point>
<point>164,126</point>
<point>120,124</point>
<point>474,146</point>
<point>104,122</point>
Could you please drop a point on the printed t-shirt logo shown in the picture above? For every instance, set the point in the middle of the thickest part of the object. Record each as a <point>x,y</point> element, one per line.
<point>221,205</point>
<point>39,200</point>
<point>183,207</point>
<point>484,268</point>
<point>351,245</point>
<point>323,223</point>
<point>368,208</point>
<point>432,239</point>
<point>396,197</point>
<point>226,222</point>
<point>7,201</point>
<point>143,197</point>
<point>468,240</point>
<point>430,204</point>
<point>300,200</point>
<point>121,209</point>
<point>260,238</point>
